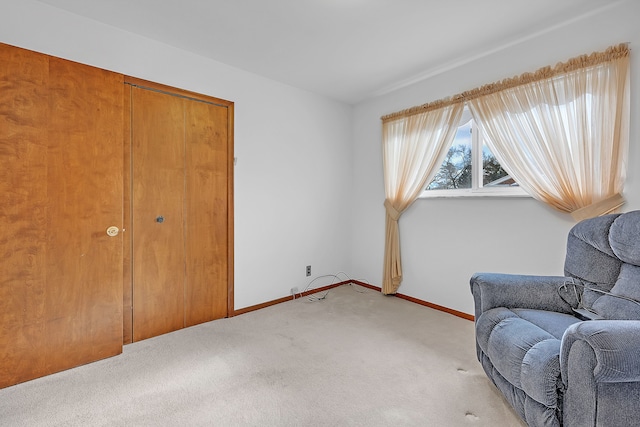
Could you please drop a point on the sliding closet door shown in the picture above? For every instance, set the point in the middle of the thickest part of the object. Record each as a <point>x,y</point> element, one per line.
<point>158,157</point>
<point>180,178</point>
<point>206,206</point>
<point>24,113</point>
<point>61,186</point>
<point>84,198</point>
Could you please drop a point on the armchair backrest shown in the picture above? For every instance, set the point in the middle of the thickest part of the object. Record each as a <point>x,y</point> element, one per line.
<point>604,254</point>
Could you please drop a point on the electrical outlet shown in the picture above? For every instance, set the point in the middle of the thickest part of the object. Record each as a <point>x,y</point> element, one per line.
<point>308,270</point>
<point>294,290</point>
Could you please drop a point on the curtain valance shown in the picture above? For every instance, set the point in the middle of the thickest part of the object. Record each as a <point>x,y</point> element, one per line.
<point>583,61</point>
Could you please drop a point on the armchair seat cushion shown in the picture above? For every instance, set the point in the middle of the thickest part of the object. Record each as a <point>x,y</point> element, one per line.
<point>524,348</point>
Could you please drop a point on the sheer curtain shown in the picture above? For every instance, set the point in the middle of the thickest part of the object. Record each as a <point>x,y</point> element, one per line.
<point>562,133</point>
<point>414,145</point>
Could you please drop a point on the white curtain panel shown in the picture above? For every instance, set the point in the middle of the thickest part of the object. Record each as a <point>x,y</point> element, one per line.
<point>563,134</point>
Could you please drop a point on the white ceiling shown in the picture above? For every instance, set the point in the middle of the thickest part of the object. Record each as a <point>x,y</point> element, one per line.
<point>348,50</point>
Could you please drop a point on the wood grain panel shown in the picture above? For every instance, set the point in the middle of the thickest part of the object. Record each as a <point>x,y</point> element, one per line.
<point>23,205</point>
<point>84,179</point>
<point>158,190</point>
<point>206,212</point>
<point>60,188</point>
<point>127,249</point>
<point>205,198</point>
<point>230,211</point>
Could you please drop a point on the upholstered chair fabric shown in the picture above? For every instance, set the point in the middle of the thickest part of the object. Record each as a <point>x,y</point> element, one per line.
<point>551,365</point>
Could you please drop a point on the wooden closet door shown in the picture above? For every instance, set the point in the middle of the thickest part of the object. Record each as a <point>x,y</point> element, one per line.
<point>158,165</point>
<point>84,264</point>
<point>61,187</point>
<point>24,114</point>
<point>181,150</point>
<point>206,141</point>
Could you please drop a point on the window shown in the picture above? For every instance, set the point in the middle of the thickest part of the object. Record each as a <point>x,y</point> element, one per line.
<point>470,168</point>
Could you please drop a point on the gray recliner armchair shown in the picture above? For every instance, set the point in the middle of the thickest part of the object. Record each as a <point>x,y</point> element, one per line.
<point>536,342</point>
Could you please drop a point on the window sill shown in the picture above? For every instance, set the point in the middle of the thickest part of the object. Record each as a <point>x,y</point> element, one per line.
<point>440,194</point>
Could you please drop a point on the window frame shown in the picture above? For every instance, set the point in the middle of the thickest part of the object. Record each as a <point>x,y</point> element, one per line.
<point>477,169</point>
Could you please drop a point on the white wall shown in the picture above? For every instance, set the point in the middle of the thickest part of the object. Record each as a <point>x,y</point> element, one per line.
<point>292,180</point>
<point>444,241</point>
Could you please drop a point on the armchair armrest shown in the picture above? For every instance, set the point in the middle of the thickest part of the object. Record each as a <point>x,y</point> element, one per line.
<point>615,345</point>
<point>491,290</point>
<point>600,373</point>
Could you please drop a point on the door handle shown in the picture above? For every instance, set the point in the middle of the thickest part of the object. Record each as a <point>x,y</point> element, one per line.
<point>113,231</point>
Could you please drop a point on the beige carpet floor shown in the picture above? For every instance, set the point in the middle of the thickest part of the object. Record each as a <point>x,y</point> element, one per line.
<point>355,358</point>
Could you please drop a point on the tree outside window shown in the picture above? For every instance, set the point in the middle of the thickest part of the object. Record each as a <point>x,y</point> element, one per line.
<point>462,170</point>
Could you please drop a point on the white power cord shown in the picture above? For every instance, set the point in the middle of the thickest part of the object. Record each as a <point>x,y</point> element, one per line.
<point>336,278</point>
